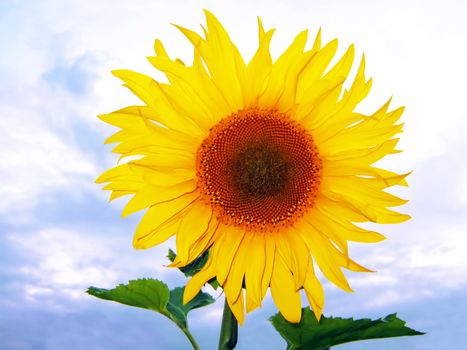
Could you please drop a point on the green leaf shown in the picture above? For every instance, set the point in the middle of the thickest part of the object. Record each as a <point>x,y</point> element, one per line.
<point>195,266</point>
<point>180,311</point>
<point>310,334</point>
<point>154,295</point>
<point>144,293</point>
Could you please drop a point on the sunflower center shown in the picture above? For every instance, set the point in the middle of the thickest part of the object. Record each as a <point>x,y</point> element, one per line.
<point>259,169</point>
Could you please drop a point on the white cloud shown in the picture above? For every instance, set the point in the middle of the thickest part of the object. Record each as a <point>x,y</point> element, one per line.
<point>418,262</point>
<point>35,161</point>
<point>62,263</point>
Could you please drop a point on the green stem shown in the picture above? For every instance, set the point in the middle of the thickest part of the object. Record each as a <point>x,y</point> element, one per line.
<point>190,338</point>
<point>184,330</point>
<point>229,330</point>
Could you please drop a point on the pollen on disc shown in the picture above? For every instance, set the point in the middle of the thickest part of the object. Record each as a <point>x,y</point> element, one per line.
<point>259,169</point>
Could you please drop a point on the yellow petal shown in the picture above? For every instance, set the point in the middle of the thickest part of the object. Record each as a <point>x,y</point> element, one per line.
<point>367,155</point>
<point>151,93</point>
<point>124,185</point>
<point>204,241</point>
<point>347,230</point>
<point>118,194</point>
<point>160,178</point>
<point>255,270</point>
<point>259,68</point>
<point>195,284</point>
<point>339,209</point>
<point>314,71</point>
<point>157,217</point>
<point>115,173</point>
<point>386,178</point>
<point>286,298</point>
<point>193,225</point>
<point>225,248</point>
<point>218,103</point>
<point>185,92</point>
<point>314,292</point>
<point>238,308</point>
<point>141,130</point>
<point>320,251</point>
<point>365,189</point>
<point>270,254</point>
<point>294,253</point>
<point>320,225</point>
<point>251,303</point>
<point>302,258</point>
<point>342,67</point>
<point>150,195</point>
<point>168,161</point>
<point>233,285</point>
<point>339,114</point>
<point>360,205</point>
<point>280,72</point>
<point>224,62</point>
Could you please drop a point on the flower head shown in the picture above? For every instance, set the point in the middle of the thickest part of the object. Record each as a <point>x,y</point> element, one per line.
<point>265,164</point>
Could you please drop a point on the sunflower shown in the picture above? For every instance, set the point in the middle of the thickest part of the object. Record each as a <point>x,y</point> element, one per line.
<point>265,164</point>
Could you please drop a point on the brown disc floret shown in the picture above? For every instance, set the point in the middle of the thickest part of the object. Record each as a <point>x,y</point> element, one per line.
<point>259,169</point>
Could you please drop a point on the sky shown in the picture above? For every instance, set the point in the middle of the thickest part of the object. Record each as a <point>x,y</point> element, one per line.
<point>60,235</point>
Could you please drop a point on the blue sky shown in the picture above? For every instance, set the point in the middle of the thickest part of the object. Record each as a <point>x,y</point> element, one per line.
<point>59,235</point>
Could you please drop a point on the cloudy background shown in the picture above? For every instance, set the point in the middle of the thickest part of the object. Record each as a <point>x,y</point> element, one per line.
<point>59,235</point>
